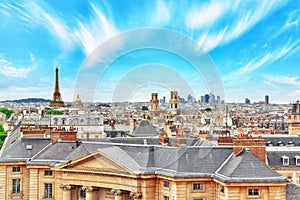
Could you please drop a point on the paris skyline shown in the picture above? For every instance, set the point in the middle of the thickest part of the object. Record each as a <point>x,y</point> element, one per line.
<point>254,46</point>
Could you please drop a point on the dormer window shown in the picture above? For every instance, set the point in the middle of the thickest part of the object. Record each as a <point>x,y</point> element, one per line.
<point>280,143</point>
<point>291,143</point>
<point>297,160</point>
<point>269,143</point>
<point>285,161</point>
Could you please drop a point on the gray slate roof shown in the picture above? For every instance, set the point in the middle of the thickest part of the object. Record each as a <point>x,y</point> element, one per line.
<point>275,158</point>
<point>153,141</point>
<point>18,152</point>
<point>247,168</point>
<point>292,192</point>
<point>170,161</point>
<point>145,129</point>
<point>284,140</point>
<point>189,161</point>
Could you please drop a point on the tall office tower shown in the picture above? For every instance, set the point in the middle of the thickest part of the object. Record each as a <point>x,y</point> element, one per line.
<point>174,103</point>
<point>218,99</point>
<point>202,99</point>
<point>154,102</point>
<point>212,98</point>
<point>266,99</point>
<point>206,98</point>
<point>247,101</point>
<point>56,100</point>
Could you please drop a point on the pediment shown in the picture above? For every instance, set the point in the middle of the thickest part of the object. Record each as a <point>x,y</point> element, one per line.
<point>95,162</point>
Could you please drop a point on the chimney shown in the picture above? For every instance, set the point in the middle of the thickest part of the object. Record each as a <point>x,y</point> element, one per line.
<point>163,138</point>
<point>256,146</point>
<point>63,135</point>
<point>225,139</point>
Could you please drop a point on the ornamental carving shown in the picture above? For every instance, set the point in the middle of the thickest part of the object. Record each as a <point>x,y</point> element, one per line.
<point>89,188</point>
<point>117,192</point>
<point>66,187</point>
<point>135,195</point>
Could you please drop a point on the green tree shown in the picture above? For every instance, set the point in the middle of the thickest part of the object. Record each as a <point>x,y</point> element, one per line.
<point>144,108</point>
<point>2,135</point>
<point>55,112</point>
<point>7,112</point>
<point>208,109</point>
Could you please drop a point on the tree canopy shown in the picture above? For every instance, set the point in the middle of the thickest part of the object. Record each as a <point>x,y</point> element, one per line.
<point>7,112</point>
<point>208,109</point>
<point>55,112</point>
<point>144,108</point>
<point>2,135</point>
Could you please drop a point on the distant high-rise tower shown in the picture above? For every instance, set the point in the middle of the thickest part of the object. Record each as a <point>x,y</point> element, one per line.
<point>247,101</point>
<point>56,100</point>
<point>174,103</point>
<point>266,99</point>
<point>154,102</point>
<point>206,98</point>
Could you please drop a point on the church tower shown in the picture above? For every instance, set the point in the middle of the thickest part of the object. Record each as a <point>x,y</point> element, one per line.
<point>154,102</point>
<point>174,103</point>
<point>56,100</point>
<point>294,119</point>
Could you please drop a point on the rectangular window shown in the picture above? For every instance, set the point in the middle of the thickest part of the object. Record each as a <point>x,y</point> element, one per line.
<point>48,190</point>
<point>166,198</point>
<point>197,186</point>
<point>298,161</point>
<point>285,161</point>
<point>166,184</point>
<point>222,189</point>
<point>16,186</point>
<point>253,192</point>
<point>16,169</point>
<point>48,173</point>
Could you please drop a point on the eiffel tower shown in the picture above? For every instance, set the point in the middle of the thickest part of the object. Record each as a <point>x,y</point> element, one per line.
<point>56,100</point>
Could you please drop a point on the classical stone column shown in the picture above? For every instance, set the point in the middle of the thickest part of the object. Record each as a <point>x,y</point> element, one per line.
<point>66,191</point>
<point>89,191</point>
<point>135,195</point>
<point>117,193</point>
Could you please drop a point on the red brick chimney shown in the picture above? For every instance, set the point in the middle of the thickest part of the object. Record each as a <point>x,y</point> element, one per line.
<point>256,146</point>
<point>225,139</point>
<point>64,135</point>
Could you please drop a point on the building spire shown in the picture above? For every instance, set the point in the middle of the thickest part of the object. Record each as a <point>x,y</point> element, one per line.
<point>56,100</point>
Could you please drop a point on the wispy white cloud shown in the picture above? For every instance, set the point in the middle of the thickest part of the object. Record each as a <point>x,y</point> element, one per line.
<point>293,19</point>
<point>293,81</point>
<point>272,85</point>
<point>40,14</point>
<point>207,14</point>
<point>161,15</point>
<point>259,61</point>
<point>8,69</point>
<point>88,33</point>
<point>242,16</point>
<point>95,30</point>
<point>32,58</point>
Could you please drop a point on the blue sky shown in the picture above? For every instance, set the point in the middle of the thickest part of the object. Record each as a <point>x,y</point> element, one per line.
<point>254,46</point>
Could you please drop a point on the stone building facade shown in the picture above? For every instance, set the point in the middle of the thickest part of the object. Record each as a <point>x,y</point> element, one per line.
<point>65,168</point>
